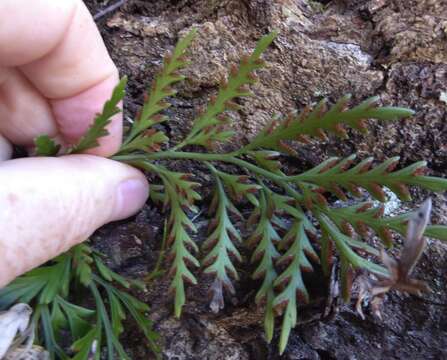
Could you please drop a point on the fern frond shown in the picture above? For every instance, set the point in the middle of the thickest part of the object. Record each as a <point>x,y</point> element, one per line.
<point>334,175</point>
<point>49,287</point>
<point>290,282</point>
<point>316,122</point>
<point>265,239</point>
<point>362,217</point>
<point>277,201</point>
<point>219,245</point>
<point>154,101</point>
<point>207,126</point>
<point>179,196</point>
<point>102,120</point>
<point>346,247</point>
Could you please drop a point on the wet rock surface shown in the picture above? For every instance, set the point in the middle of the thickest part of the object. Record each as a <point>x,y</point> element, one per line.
<point>396,49</point>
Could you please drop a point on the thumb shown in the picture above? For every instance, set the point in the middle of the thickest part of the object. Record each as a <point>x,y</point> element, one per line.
<point>47,205</point>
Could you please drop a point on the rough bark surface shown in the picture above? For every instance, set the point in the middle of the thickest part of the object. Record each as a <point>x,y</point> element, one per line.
<point>396,49</point>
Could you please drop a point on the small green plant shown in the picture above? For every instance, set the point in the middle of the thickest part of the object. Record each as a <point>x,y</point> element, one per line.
<point>293,226</point>
<point>52,289</point>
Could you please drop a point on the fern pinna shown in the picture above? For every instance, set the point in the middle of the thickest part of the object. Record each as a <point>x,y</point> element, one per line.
<point>293,226</point>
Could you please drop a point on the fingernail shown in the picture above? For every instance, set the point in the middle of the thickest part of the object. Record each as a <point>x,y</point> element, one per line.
<point>131,196</point>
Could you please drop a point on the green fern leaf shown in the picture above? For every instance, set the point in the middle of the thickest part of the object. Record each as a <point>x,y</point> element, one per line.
<point>207,127</point>
<point>45,146</point>
<point>290,281</point>
<point>315,123</point>
<point>335,174</point>
<point>219,246</point>
<point>155,99</point>
<point>265,238</point>
<point>102,120</point>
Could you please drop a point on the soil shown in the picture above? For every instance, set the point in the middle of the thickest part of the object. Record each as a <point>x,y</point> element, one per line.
<point>396,49</point>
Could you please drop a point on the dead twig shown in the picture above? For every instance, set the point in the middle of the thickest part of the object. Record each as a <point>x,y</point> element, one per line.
<point>109,9</point>
<point>399,270</point>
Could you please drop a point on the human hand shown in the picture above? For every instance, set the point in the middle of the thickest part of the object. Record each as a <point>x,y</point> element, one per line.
<point>55,75</point>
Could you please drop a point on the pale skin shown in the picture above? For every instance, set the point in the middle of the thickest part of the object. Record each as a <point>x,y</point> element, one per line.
<point>55,74</point>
